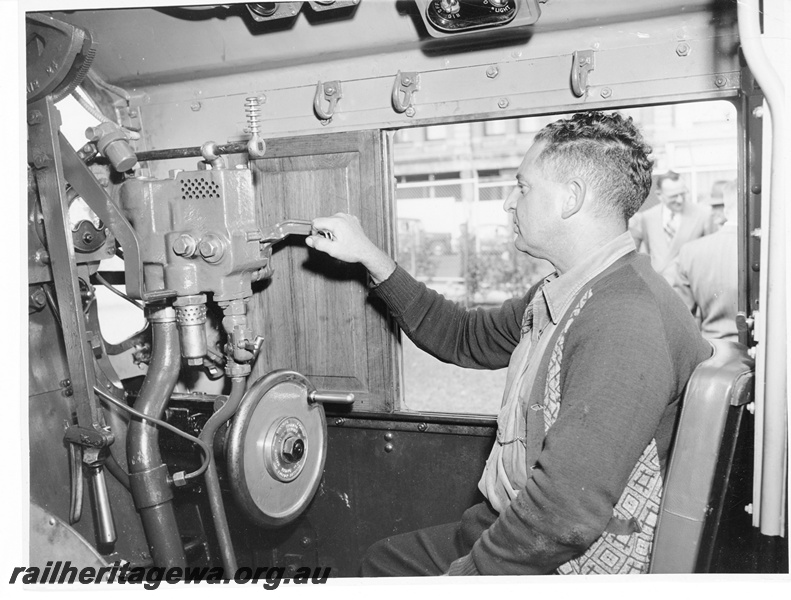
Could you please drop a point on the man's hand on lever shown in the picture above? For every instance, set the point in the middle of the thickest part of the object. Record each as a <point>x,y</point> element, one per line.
<point>342,237</point>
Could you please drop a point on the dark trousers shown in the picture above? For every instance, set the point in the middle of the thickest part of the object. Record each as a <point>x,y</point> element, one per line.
<point>427,551</point>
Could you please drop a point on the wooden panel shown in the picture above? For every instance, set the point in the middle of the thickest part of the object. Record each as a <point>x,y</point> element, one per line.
<point>315,314</point>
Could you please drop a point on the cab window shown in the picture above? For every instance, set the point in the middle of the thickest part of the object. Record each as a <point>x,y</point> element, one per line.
<point>453,234</point>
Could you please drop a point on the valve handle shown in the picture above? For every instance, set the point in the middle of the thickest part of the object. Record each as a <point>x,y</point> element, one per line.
<point>104,514</point>
<point>331,397</point>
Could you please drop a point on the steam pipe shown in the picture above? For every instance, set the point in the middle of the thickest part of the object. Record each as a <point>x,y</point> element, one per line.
<point>225,412</point>
<point>148,475</point>
<point>772,413</point>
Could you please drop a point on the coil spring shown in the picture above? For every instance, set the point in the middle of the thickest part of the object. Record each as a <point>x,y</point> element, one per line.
<point>253,109</point>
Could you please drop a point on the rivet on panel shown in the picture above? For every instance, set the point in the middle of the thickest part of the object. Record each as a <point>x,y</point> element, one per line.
<point>389,447</point>
<point>758,112</point>
<point>389,436</point>
<point>503,103</point>
<point>195,106</point>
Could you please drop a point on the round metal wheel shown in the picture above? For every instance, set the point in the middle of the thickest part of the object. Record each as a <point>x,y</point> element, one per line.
<point>276,448</point>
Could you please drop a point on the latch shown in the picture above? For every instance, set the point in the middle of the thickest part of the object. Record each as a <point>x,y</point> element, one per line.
<point>405,84</point>
<point>582,63</point>
<point>332,93</point>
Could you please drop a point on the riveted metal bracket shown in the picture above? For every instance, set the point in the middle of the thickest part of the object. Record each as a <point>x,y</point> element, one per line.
<point>405,84</point>
<point>582,63</point>
<point>332,93</point>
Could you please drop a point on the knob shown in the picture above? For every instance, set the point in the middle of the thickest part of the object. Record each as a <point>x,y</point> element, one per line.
<point>450,6</point>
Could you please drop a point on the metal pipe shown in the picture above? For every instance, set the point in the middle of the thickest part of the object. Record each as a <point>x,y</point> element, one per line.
<point>225,412</point>
<point>147,473</point>
<point>117,471</point>
<point>190,152</point>
<point>772,413</point>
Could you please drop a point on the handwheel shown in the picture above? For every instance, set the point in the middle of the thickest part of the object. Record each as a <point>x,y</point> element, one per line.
<point>276,448</point>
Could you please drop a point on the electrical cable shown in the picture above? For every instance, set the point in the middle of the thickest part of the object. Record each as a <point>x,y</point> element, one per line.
<point>84,100</point>
<point>80,96</point>
<point>99,82</point>
<point>203,446</point>
<point>117,292</point>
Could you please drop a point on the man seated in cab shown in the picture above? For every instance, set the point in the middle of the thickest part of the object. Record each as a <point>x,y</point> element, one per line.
<point>598,355</point>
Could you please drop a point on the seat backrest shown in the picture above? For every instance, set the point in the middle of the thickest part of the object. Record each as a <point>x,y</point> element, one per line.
<point>720,385</point>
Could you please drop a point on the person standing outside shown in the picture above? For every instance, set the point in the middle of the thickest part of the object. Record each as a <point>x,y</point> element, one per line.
<point>705,274</point>
<point>662,230</point>
<point>598,355</point>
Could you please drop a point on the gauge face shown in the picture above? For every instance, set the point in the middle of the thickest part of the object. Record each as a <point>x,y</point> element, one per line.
<point>454,16</point>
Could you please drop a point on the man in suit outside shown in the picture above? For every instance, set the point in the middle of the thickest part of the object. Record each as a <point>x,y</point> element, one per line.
<point>705,275</point>
<point>662,230</point>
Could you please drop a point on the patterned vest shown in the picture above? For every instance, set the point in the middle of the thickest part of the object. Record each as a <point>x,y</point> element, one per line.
<point>625,546</point>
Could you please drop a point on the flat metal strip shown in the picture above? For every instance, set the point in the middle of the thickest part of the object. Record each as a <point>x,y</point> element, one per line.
<point>44,150</point>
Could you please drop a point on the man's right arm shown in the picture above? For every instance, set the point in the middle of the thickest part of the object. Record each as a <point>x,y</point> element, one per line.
<point>342,237</point>
<point>479,338</point>
<point>476,339</point>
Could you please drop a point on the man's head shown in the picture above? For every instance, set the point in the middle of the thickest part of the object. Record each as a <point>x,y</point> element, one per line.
<point>672,191</point>
<point>592,165</point>
<point>717,203</point>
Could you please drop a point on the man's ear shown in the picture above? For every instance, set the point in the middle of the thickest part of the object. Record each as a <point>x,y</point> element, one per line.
<point>576,189</point>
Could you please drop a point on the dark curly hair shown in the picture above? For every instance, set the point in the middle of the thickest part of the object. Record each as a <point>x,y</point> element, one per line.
<point>608,151</point>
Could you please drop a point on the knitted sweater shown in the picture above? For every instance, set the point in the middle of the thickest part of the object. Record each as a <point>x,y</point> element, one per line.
<point>623,362</point>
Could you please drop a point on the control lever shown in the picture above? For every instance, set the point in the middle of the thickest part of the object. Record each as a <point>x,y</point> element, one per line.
<point>75,495</point>
<point>282,230</point>
<point>104,515</point>
<point>330,397</point>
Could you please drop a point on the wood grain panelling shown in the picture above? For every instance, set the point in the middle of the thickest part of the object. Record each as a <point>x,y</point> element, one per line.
<point>315,314</point>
